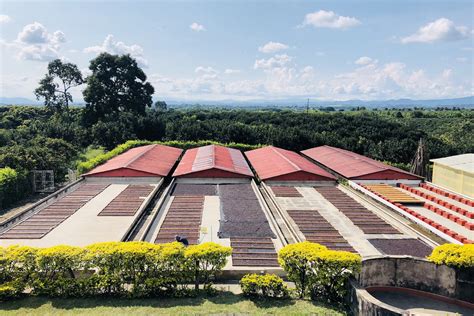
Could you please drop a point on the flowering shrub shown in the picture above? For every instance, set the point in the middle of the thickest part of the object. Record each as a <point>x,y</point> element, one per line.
<point>318,271</point>
<point>459,256</point>
<point>264,286</point>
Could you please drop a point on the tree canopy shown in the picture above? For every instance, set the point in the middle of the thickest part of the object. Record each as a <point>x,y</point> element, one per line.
<point>117,84</point>
<point>56,84</point>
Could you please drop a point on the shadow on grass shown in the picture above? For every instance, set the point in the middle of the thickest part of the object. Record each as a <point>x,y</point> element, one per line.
<point>225,299</point>
<point>221,298</point>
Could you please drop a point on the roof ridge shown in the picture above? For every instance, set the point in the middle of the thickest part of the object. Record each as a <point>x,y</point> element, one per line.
<point>285,158</point>
<point>140,155</point>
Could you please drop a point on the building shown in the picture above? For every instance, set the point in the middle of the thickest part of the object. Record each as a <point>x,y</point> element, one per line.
<point>213,162</point>
<point>273,164</point>
<point>359,168</point>
<point>455,173</point>
<point>144,161</point>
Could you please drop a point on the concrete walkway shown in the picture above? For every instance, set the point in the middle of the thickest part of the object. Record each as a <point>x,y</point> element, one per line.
<point>417,305</point>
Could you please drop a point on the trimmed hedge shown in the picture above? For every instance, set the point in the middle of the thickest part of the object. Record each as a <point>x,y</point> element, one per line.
<point>127,269</point>
<point>458,256</point>
<point>13,186</point>
<point>88,165</point>
<point>264,286</point>
<point>317,271</point>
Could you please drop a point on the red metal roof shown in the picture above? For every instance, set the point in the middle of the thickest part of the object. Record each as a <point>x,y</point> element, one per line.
<point>354,166</point>
<point>273,163</point>
<point>145,161</point>
<point>213,162</point>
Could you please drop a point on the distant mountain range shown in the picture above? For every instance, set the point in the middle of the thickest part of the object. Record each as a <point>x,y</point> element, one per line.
<point>466,102</point>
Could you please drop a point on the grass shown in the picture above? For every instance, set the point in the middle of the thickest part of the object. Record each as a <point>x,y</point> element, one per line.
<point>222,303</point>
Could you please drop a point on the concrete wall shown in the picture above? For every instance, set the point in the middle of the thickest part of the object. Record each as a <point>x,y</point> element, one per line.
<point>418,274</point>
<point>407,272</point>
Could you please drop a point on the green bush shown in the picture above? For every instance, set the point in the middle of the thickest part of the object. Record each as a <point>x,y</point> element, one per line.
<point>137,269</point>
<point>298,260</point>
<point>332,272</point>
<point>204,260</point>
<point>13,186</point>
<point>8,292</point>
<point>55,268</point>
<point>458,256</point>
<point>264,286</point>
<point>322,273</point>
<point>88,165</point>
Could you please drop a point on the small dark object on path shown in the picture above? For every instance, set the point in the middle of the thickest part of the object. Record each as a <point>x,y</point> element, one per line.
<point>182,240</point>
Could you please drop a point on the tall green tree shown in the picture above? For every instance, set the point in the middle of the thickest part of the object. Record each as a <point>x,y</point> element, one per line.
<point>55,87</point>
<point>117,84</point>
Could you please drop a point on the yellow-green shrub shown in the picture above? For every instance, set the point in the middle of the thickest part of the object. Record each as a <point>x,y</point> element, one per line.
<point>264,286</point>
<point>17,266</point>
<point>332,272</point>
<point>204,260</point>
<point>459,256</point>
<point>316,270</point>
<point>55,267</point>
<point>298,260</point>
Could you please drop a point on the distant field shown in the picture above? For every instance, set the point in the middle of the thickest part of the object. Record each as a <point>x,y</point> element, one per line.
<point>225,303</point>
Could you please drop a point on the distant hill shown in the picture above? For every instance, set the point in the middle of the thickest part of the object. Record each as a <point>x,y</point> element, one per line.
<point>466,102</point>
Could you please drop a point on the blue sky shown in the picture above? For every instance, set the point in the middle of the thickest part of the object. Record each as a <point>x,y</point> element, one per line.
<point>241,50</point>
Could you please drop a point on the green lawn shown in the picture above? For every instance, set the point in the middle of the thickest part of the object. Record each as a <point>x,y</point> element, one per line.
<point>223,303</point>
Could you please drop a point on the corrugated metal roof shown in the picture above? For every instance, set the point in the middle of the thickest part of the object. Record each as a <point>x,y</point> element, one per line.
<point>149,160</point>
<point>272,162</point>
<point>352,166</point>
<point>464,162</point>
<point>213,157</point>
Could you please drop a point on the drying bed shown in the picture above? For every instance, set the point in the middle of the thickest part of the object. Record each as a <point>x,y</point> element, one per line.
<point>183,218</point>
<point>41,223</point>
<point>253,252</point>
<point>316,228</point>
<point>194,189</point>
<point>128,201</point>
<point>395,247</point>
<point>363,218</point>
<point>282,191</point>
<point>393,194</point>
<point>241,213</point>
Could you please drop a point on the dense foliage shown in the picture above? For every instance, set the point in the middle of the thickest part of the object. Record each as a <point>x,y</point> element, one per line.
<point>135,269</point>
<point>36,138</point>
<point>317,271</point>
<point>263,286</point>
<point>13,186</point>
<point>459,256</point>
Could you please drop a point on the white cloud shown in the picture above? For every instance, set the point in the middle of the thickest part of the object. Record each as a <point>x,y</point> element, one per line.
<point>364,61</point>
<point>275,61</point>
<point>462,59</point>
<point>34,42</point>
<point>231,71</point>
<point>110,45</point>
<point>4,18</point>
<point>441,30</point>
<point>329,19</point>
<point>197,27</point>
<point>272,47</point>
